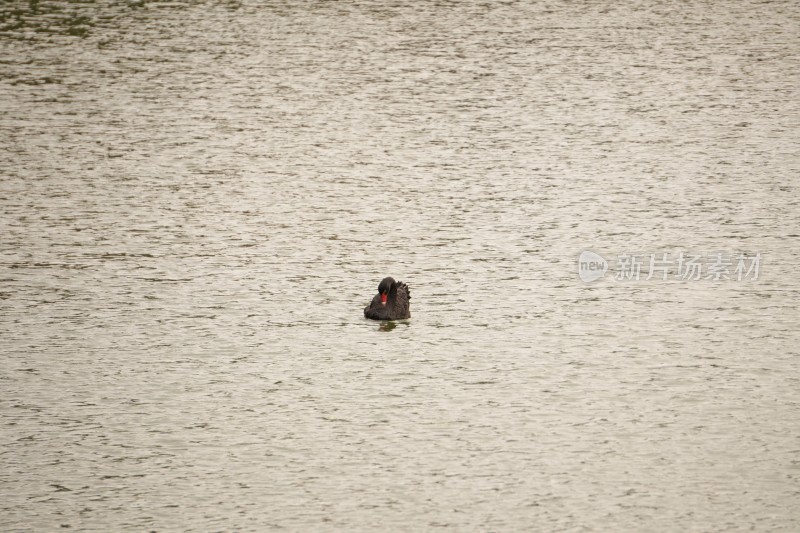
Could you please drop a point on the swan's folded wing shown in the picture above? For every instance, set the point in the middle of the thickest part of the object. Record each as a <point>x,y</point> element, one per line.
<point>401,300</point>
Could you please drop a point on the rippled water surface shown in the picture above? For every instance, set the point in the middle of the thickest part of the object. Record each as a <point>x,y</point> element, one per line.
<point>198,199</point>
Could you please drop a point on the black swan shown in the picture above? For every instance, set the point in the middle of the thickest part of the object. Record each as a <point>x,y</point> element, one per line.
<point>391,302</point>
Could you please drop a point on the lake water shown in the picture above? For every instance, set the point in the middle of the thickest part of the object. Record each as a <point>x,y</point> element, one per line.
<point>199,198</point>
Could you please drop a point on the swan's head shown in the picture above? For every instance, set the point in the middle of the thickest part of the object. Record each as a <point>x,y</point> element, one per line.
<point>384,288</point>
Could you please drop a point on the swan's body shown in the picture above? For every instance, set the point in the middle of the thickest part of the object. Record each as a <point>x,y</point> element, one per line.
<point>391,303</point>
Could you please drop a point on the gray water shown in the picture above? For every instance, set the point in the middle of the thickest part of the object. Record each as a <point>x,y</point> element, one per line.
<point>198,199</point>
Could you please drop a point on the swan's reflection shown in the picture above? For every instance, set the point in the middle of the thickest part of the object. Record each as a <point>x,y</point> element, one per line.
<point>387,326</point>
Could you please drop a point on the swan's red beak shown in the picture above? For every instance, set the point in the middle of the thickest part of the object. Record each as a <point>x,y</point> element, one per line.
<point>383,298</point>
